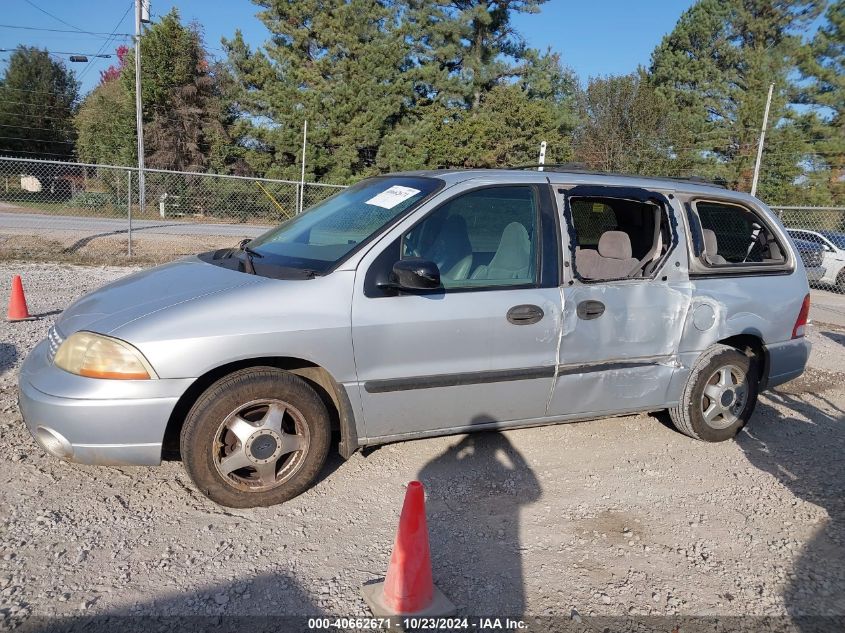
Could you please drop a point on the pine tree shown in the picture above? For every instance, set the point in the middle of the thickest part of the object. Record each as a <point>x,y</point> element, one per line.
<point>464,48</point>
<point>506,129</point>
<point>340,65</point>
<point>715,68</point>
<point>822,64</point>
<point>38,97</point>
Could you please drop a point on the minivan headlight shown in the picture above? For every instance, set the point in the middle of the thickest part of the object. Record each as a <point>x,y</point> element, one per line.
<point>97,356</point>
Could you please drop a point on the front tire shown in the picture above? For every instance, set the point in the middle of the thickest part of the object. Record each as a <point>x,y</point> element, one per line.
<point>719,396</point>
<point>257,437</point>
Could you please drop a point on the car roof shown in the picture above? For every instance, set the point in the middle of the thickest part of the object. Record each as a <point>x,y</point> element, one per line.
<point>823,232</point>
<point>576,177</point>
<point>829,233</point>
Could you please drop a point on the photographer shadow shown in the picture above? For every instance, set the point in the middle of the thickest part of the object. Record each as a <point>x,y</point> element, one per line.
<point>476,490</point>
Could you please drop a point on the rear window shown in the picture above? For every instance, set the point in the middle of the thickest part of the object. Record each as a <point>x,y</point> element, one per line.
<point>735,235</point>
<point>592,218</point>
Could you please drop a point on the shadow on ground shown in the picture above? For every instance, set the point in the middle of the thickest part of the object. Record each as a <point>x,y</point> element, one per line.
<point>270,602</point>
<point>82,242</point>
<point>474,522</point>
<point>804,448</point>
<point>836,337</point>
<point>8,357</point>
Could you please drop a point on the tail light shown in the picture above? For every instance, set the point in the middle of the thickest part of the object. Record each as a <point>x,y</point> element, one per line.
<point>801,321</point>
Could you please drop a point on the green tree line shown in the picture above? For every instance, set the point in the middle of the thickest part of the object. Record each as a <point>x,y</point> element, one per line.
<point>391,85</point>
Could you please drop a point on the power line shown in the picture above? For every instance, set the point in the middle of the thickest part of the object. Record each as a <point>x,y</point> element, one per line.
<point>114,30</point>
<point>158,116</point>
<point>12,50</point>
<point>32,4</point>
<point>35,140</point>
<point>30,103</point>
<point>76,32</point>
<point>32,116</point>
<point>27,127</point>
<point>24,151</point>
<point>55,93</point>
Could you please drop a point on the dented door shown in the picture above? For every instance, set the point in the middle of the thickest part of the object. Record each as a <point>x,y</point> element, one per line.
<point>619,343</point>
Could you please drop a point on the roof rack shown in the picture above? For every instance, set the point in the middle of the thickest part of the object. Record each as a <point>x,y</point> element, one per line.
<point>581,168</point>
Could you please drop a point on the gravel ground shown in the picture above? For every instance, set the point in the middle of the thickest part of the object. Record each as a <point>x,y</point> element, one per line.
<point>614,517</point>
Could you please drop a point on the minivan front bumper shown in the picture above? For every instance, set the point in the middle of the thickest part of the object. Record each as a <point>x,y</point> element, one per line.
<point>93,421</point>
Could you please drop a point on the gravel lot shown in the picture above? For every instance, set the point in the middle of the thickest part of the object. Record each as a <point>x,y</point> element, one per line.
<point>620,516</point>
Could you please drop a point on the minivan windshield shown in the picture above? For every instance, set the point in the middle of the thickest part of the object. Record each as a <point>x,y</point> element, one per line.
<point>320,237</point>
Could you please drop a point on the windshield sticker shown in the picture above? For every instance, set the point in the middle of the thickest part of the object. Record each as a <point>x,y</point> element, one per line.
<point>389,198</point>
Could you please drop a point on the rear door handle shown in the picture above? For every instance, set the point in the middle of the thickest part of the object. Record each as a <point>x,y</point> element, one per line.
<point>525,314</point>
<point>590,309</point>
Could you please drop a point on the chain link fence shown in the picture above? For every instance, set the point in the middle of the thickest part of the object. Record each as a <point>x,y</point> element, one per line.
<point>48,193</point>
<point>819,234</point>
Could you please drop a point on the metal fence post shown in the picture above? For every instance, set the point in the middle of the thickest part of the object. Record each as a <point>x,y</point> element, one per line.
<point>129,209</point>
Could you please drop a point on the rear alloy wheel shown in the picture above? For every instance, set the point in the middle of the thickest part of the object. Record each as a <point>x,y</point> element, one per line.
<point>719,397</point>
<point>257,437</point>
<point>724,396</point>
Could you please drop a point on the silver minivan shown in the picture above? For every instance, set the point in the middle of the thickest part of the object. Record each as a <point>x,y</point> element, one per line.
<point>427,303</point>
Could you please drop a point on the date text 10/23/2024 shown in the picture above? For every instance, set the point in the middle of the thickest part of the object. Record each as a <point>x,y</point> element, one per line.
<point>418,623</point>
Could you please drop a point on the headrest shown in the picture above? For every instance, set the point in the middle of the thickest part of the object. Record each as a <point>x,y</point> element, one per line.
<point>711,244</point>
<point>615,245</point>
<point>514,250</point>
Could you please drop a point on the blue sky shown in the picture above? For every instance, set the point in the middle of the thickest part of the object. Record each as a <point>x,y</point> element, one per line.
<point>594,38</point>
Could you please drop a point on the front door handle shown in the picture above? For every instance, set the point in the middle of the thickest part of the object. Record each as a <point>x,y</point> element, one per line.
<point>525,314</point>
<point>590,309</point>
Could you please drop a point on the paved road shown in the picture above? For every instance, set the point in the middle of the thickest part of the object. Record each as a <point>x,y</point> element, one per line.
<point>113,226</point>
<point>827,307</point>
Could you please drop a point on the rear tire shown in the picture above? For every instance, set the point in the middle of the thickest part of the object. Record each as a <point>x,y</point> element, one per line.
<point>719,396</point>
<point>257,437</point>
<point>840,281</point>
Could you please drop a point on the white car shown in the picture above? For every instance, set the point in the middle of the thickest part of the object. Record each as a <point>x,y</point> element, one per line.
<point>834,254</point>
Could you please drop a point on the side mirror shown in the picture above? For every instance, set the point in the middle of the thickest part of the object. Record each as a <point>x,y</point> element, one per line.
<point>416,274</point>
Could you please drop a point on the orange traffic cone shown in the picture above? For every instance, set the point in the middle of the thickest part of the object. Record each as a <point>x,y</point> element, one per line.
<point>408,589</point>
<point>17,302</point>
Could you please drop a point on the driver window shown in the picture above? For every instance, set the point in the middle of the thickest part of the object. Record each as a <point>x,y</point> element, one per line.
<point>735,235</point>
<point>481,239</point>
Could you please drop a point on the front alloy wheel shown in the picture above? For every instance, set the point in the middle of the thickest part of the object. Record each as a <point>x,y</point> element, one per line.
<point>262,444</point>
<point>256,437</point>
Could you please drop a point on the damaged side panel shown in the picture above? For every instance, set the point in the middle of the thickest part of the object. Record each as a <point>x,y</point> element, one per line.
<point>626,357</point>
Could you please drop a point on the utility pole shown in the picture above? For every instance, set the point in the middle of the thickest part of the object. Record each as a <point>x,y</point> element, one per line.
<point>302,175</point>
<point>142,9</point>
<point>762,140</point>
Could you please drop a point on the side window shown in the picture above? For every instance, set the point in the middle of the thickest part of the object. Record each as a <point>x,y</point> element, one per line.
<point>617,238</point>
<point>484,238</point>
<point>735,235</point>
